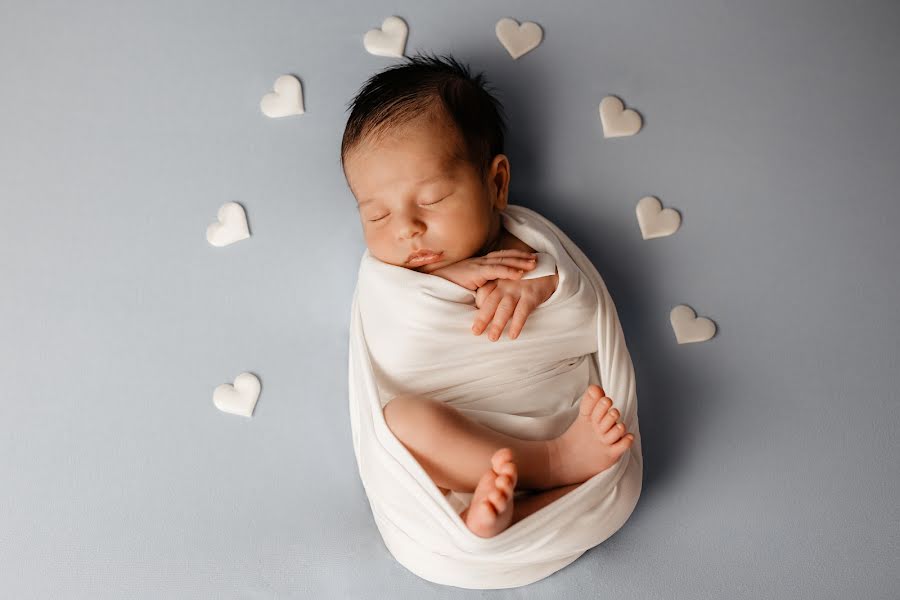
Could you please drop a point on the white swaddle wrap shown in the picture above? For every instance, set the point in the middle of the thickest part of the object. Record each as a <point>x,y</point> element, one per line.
<point>410,332</point>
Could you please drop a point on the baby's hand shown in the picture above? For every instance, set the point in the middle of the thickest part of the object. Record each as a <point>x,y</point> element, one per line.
<point>498,300</point>
<point>472,273</point>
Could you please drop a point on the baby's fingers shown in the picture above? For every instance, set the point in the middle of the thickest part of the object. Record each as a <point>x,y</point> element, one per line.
<point>510,252</point>
<point>523,309</point>
<point>486,312</point>
<point>501,316</point>
<point>521,260</point>
<point>504,272</point>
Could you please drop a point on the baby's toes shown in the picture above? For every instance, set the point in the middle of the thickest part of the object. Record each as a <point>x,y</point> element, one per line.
<point>510,471</point>
<point>501,457</point>
<point>498,499</point>
<point>590,400</point>
<point>600,410</point>
<point>505,484</point>
<point>605,423</point>
<point>614,434</point>
<point>622,445</point>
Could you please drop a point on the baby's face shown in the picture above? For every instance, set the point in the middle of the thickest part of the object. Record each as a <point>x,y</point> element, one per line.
<point>412,195</point>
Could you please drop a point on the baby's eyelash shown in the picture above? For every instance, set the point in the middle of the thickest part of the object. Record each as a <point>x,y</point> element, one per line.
<point>380,218</point>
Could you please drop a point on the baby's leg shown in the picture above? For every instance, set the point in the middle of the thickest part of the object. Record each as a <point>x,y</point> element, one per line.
<point>455,451</point>
<point>526,505</point>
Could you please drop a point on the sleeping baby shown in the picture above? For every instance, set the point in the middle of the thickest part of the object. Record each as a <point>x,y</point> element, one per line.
<point>422,153</point>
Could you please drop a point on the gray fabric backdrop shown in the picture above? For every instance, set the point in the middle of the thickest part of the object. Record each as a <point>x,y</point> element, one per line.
<point>771,451</point>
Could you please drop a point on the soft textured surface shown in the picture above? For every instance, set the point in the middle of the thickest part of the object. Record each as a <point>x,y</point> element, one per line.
<point>410,334</point>
<point>771,452</point>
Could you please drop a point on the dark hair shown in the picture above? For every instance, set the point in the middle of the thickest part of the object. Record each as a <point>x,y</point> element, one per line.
<point>406,90</point>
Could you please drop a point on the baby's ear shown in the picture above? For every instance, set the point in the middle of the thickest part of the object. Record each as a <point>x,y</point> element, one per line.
<point>499,178</point>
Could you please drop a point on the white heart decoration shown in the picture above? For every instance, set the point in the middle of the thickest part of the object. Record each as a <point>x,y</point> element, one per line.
<point>654,220</point>
<point>231,225</point>
<point>240,398</point>
<point>286,100</point>
<point>518,39</point>
<point>688,327</point>
<point>390,40</point>
<point>617,121</point>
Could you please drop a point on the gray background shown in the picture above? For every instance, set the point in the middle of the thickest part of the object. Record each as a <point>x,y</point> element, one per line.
<point>771,450</point>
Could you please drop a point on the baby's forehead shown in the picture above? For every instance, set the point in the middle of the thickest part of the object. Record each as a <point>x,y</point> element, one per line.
<point>417,151</point>
<point>410,156</point>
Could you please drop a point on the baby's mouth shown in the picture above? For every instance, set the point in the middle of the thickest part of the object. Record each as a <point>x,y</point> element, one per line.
<point>425,258</point>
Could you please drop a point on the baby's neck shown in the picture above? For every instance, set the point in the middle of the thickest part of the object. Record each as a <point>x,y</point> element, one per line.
<point>507,241</point>
<point>502,239</point>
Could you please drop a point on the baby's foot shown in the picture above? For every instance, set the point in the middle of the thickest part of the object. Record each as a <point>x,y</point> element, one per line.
<point>491,509</point>
<point>594,441</point>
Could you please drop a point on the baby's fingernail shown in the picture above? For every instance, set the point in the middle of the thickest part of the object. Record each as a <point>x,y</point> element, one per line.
<point>521,271</point>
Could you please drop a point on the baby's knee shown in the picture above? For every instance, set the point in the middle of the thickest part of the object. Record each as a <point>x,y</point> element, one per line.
<point>401,412</point>
<point>399,406</point>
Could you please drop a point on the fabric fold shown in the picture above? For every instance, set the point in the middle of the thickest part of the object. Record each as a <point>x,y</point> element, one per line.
<point>410,332</point>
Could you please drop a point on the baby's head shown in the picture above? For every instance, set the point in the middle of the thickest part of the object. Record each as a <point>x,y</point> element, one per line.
<point>422,153</point>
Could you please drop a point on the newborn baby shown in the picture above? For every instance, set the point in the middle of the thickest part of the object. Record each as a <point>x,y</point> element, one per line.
<point>422,153</point>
